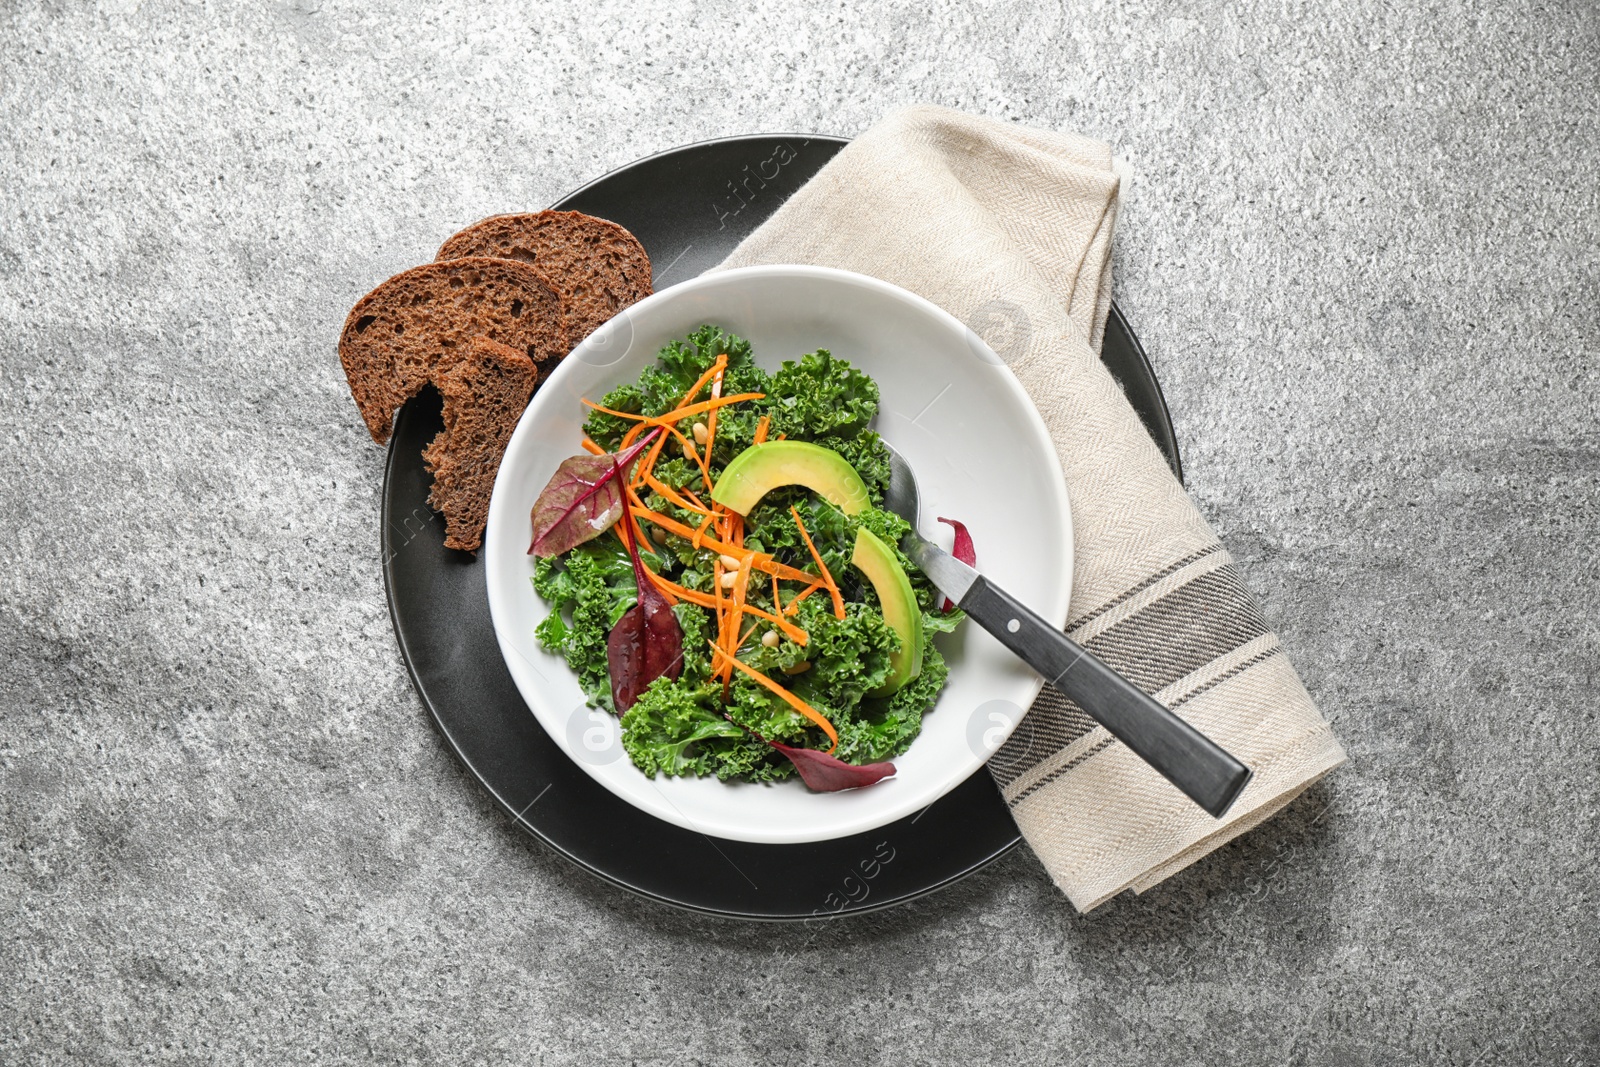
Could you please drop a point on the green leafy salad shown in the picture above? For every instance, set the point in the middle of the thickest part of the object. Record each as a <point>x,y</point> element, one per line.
<point>745,605</point>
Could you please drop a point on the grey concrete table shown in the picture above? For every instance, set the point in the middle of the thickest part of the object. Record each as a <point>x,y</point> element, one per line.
<point>1362,249</point>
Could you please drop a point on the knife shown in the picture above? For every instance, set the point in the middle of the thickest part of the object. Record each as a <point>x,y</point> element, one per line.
<point>1203,770</point>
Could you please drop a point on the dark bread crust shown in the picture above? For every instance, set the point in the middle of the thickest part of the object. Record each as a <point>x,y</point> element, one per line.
<point>485,389</point>
<point>397,335</point>
<point>598,267</point>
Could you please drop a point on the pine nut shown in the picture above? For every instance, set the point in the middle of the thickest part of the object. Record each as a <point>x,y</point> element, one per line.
<point>700,433</point>
<point>798,668</point>
<point>728,578</point>
<point>688,452</point>
<point>770,639</point>
<point>730,563</point>
<point>658,535</point>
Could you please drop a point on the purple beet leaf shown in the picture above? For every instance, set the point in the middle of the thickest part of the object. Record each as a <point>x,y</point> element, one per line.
<point>963,551</point>
<point>582,499</point>
<point>825,774</point>
<point>647,642</point>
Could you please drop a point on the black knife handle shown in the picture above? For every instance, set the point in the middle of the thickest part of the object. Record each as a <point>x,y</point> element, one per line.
<point>1187,758</point>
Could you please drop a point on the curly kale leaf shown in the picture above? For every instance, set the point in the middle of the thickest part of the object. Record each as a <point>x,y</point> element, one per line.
<point>885,728</point>
<point>607,430</point>
<point>750,760</point>
<point>764,714</point>
<point>588,589</point>
<point>677,729</point>
<point>665,730</point>
<point>672,469</point>
<point>889,527</point>
<point>581,602</point>
<point>867,453</point>
<point>770,527</point>
<point>696,643</point>
<point>942,622</point>
<point>847,658</point>
<point>663,384</point>
<point>820,396</point>
<point>681,363</point>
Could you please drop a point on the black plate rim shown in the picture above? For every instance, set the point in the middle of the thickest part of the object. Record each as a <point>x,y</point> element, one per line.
<point>1168,440</point>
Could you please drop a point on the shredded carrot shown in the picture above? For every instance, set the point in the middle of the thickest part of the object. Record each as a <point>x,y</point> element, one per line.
<point>721,609</point>
<point>833,587</point>
<point>784,626</point>
<point>712,600</point>
<point>676,592</point>
<point>788,698</point>
<point>694,454</point>
<point>722,531</point>
<point>741,588</point>
<point>643,470</point>
<point>745,636</point>
<point>702,460</point>
<point>671,494</point>
<point>667,585</point>
<point>711,416</point>
<point>767,565</point>
<point>761,561</point>
<point>677,414</point>
<point>787,628</point>
<point>794,605</point>
<point>726,621</point>
<point>699,534</point>
<point>668,421</point>
<point>716,367</point>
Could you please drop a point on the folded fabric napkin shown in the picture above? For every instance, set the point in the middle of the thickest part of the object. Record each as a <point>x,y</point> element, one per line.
<point>1009,229</point>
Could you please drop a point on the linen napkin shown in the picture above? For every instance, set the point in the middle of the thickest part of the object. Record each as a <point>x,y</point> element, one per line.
<point>1009,229</point>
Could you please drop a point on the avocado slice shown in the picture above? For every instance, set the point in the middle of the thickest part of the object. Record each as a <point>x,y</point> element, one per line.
<point>900,610</point>
<point>762,468</point>
<point>759,469</point>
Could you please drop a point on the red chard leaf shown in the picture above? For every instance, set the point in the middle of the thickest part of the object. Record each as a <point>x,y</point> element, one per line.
<point>826,774</point>
<point>582,499</point>
<point>647,642</point>
<point>963,551</point>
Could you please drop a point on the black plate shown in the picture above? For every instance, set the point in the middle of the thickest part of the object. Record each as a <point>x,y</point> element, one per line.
<point>689,207</point>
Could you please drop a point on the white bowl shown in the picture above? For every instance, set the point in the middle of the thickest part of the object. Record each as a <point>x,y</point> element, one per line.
<point>949,405</point>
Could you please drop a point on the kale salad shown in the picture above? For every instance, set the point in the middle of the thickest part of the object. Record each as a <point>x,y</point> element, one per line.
<point>722,573</point>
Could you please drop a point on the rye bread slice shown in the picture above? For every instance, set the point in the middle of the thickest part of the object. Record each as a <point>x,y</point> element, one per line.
<point>396,335</point>
<point>485,389</point>
<point>598,267</point>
